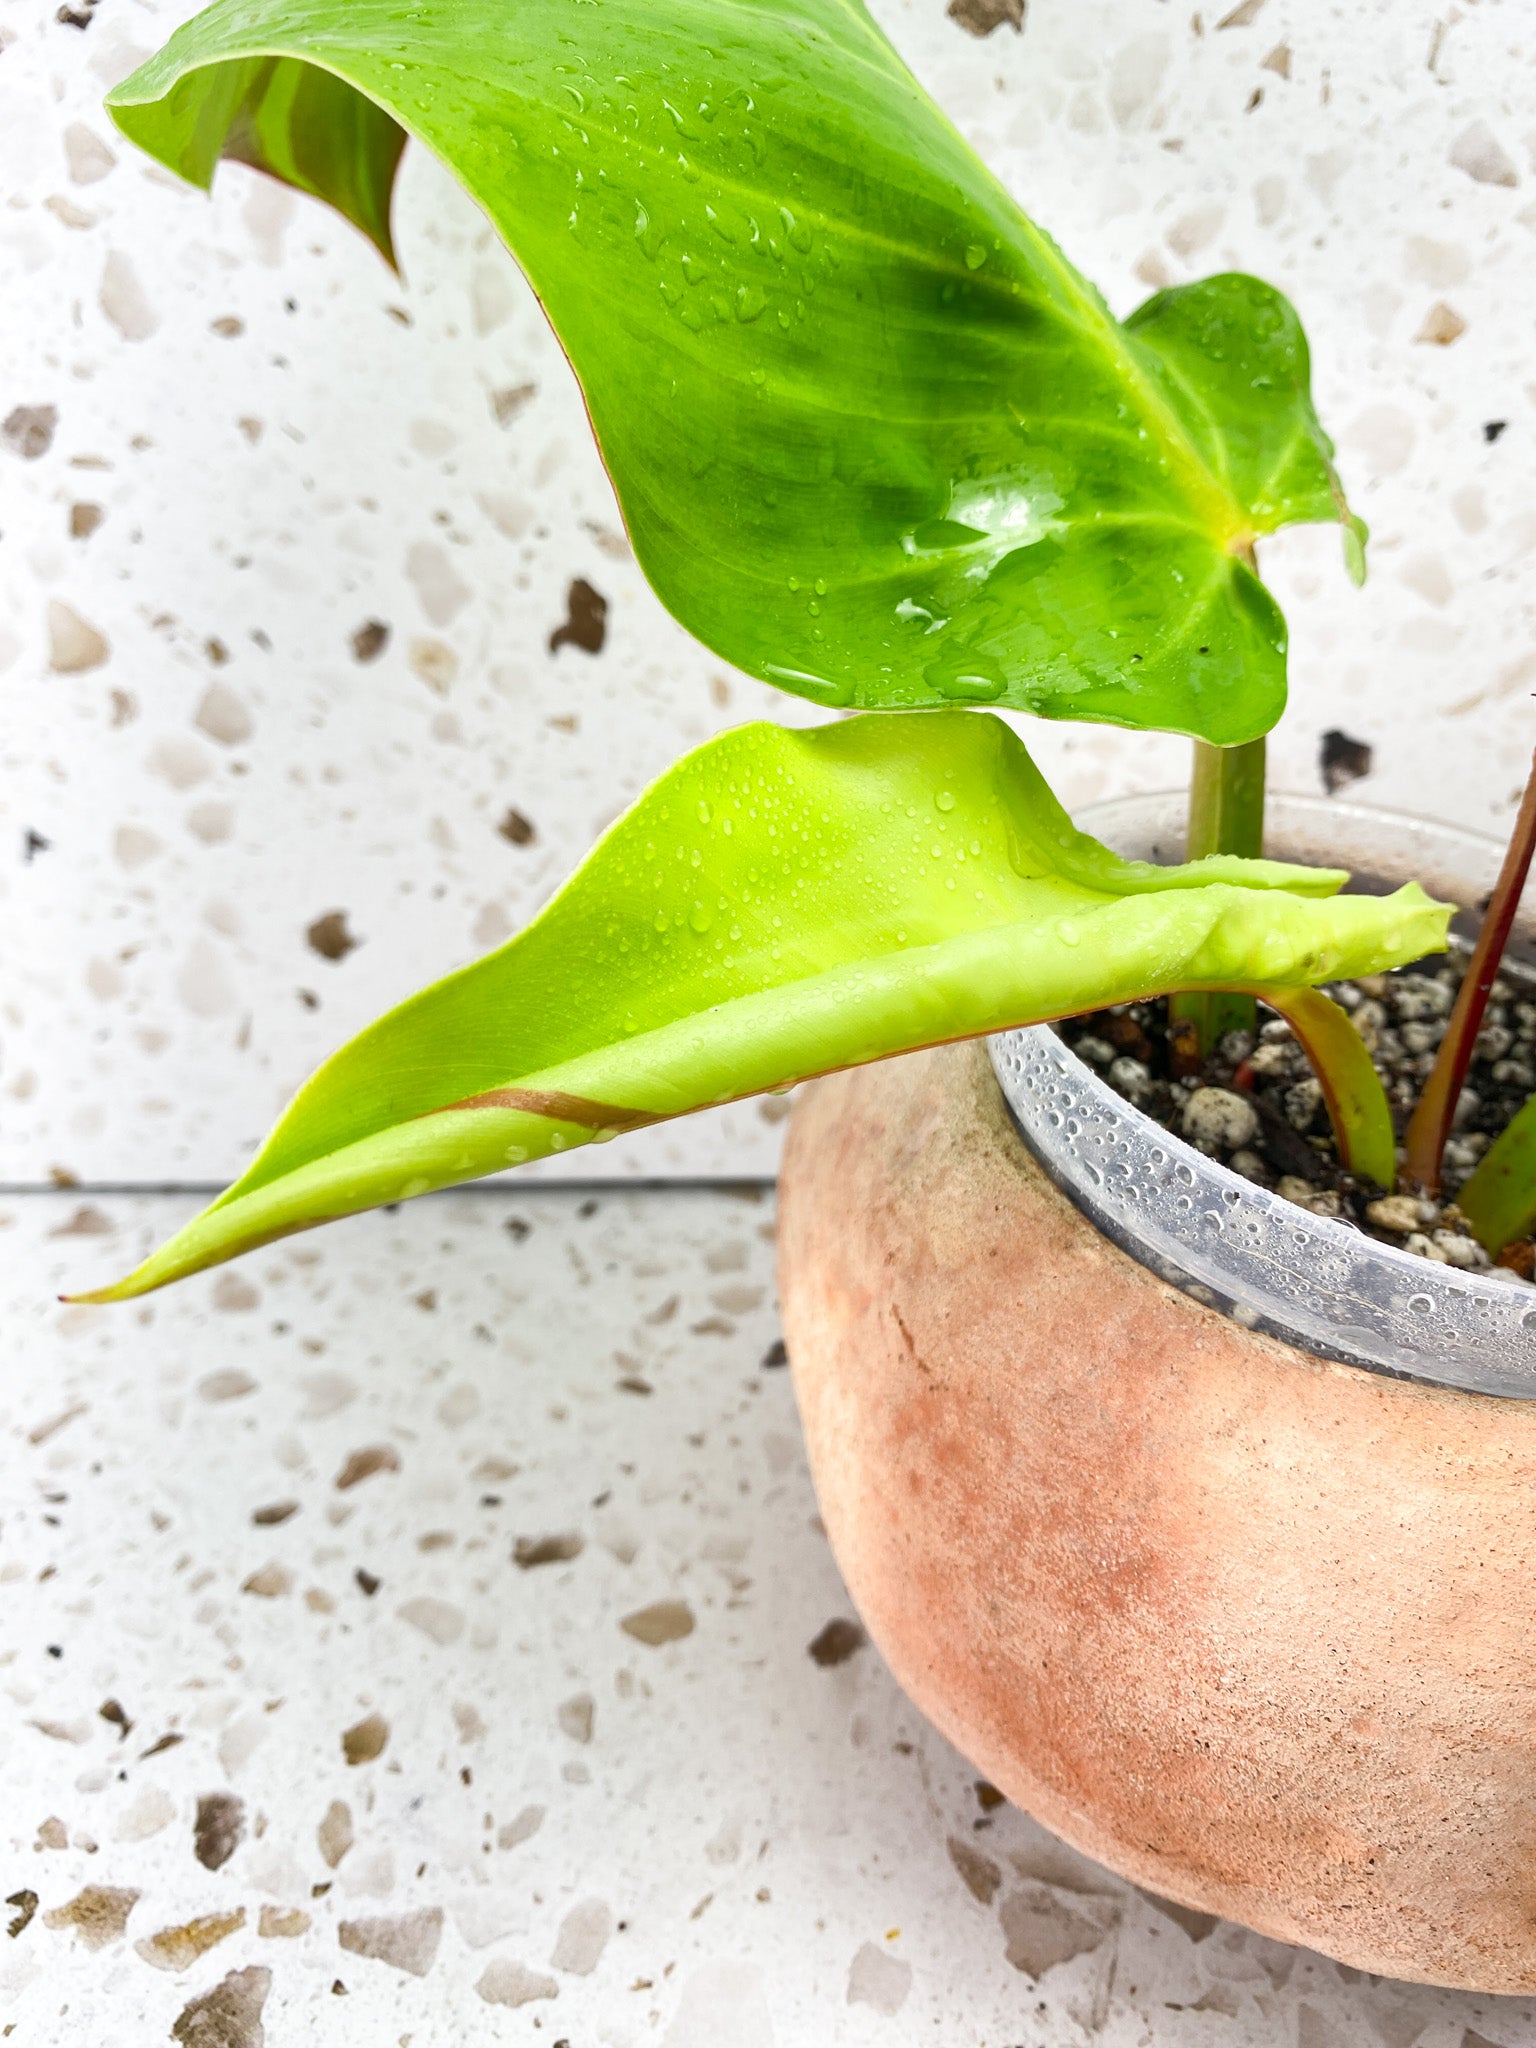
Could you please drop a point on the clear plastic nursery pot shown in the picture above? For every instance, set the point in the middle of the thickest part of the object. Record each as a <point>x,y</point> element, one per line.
<point>1203,1526</point>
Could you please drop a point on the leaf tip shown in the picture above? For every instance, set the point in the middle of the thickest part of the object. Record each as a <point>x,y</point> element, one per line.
<point>98,1297</point>
<point>142,1280</point>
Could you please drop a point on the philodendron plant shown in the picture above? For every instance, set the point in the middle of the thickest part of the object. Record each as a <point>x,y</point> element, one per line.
<point>875,441</point>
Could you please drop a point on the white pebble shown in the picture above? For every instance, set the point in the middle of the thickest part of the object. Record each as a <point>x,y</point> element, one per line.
<point>1397,1213</point>
<point>1302,1102</point>
<point>1218,1120</point>
<point>1464,1252</point>
<point>1273,1059</point>
<point>1132,1078</point>
<point>1419,998</point>
<point>1426,1248</point>
<point>1097,1051</point>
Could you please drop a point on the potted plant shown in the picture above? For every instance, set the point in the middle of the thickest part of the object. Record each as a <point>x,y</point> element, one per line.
<point>1183,1577</point>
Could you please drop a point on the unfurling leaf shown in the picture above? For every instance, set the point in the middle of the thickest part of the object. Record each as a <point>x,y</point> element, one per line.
<point>875,439</point>
<point>1499,1201</point>
<point>780,904</point>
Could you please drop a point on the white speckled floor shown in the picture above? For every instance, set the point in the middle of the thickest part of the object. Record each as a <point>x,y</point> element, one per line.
<point>431,1486</point>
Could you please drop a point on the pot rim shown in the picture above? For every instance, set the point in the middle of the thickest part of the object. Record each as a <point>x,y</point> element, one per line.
<point>1313,1281</point>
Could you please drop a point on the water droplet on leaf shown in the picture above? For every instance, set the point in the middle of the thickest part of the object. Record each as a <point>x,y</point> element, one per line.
<point>974,679</point>
<point>806,683</point>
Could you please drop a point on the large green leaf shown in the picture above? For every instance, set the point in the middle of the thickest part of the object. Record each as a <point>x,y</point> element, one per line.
<point>874,438</point>
<point>780,904</point>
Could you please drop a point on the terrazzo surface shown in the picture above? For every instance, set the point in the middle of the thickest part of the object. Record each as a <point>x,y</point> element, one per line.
<point>423,1633</point>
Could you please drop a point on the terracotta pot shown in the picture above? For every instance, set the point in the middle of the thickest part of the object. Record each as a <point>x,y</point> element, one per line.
<point>1250,1625</point>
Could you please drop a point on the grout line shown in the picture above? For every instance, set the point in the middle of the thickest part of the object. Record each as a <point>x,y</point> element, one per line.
<point>203,1189</point>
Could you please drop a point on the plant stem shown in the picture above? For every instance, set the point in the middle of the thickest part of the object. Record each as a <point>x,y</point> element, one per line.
<point>1357,1103</point>
<point>1430,1124</point>
<point>1226,800</point>
<point>1226,815</point>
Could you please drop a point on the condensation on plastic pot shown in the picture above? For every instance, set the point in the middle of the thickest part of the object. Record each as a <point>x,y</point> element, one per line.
<point>1311,1280</point>
<point>1241,1250</point>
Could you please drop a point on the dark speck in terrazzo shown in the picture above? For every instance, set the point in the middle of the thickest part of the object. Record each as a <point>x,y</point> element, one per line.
<point>586,623</point>
<point>334,1834</point>
<point>228,2016</point>
<point>836,1643</point>
<point>218,1829</point>
<point>329,937</point>
<point>278,1511</point>
<point>665,1621</point>
<point>110,1710</point>
<point>1342,760</point>
<point>981,17</point>
<point>361,1465</point>
<point>370,640</point>
<point>365,1740</point>
<point>530,1551</point>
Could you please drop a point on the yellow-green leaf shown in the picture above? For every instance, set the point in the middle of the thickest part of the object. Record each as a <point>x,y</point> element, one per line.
<point>780,904</point>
